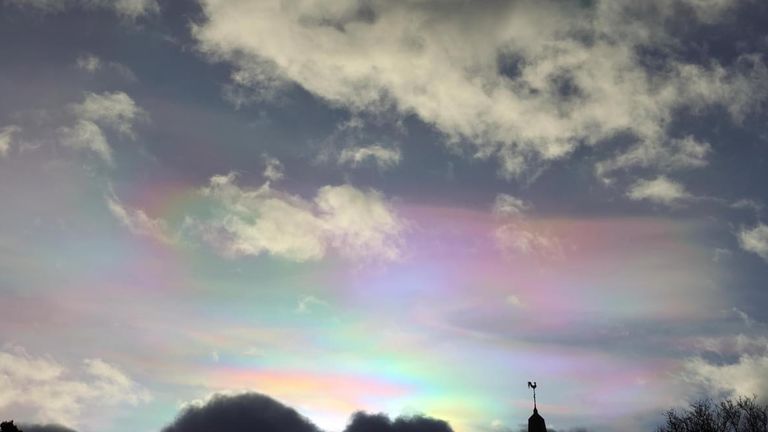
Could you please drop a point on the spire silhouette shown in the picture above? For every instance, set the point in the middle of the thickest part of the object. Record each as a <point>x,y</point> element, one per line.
<point>533,386</point>
<point>536,422</point>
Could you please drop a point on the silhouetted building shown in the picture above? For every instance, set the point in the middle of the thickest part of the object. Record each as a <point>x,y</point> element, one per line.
<point>536,422</point>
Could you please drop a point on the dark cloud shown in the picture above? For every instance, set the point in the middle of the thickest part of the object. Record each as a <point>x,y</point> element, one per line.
<point>246,412</point>
<point>44,428</point>
<point>363,422</point>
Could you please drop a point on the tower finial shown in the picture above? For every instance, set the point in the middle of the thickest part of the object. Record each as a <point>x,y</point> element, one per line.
<point>532,385</point>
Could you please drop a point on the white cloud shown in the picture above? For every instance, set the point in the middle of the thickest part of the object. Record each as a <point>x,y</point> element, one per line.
<point>748,204</point>
<point>360,223</point>
<point>6,138</point>
<point>737,345</point>
<point>748,321</point>
<point>538,80</point>
<point>126,8</point>
<point>355,223</point>
<point>138,222</point>
<point>383,157</point>
<point>521,238</point>
<point>86,135</point>
<point>746,377</point>
<point>517,234</point>
<point>660,190</point>
<point>306,304</point>
<point>755,240</point>
<point>93,64</point>
<point>106,110</point>
<point>51,392</point>
<point>676,154</point>
<point>273,169</point>
<point>116,110</point>
<point>89,63</point>
<point>507,205</point>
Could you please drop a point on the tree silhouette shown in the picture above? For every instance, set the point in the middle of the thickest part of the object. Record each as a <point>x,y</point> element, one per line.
<point>741,415</point>
<point>8,426</point>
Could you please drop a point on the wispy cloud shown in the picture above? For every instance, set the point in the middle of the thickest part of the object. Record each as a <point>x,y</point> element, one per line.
<point>138,222</point>
<point>130,9</point>
<point>382,157</point>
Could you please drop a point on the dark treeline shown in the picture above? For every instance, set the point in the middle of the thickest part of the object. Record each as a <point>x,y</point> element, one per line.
<point>256,412</point>
<point>740,415</point>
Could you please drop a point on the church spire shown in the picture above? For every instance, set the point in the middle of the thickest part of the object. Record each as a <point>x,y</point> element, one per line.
<point>535,422</point>
<point>533,386</point>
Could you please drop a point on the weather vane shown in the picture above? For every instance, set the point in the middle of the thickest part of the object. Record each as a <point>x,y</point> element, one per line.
<point>532,385</point>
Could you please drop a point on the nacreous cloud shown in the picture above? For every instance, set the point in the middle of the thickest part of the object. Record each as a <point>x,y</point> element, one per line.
<point>523,81</point>
<point>251,221</point>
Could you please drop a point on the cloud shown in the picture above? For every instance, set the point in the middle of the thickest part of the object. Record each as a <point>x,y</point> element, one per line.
<point>745,377</point>
<point>86,135</point>
<point>138,222</point>
<point>734,345</point>
<point>364,422</point>
<point>89,63</point>
<point>246,412</point>
<point>93,64</point>
<point>383,157</point>
<point>659,190</point>
<point>507,205</point>
<point>355,223</point>
<point>676,154</point>
<point>116,110</point>
<point>125,8</point>
<point>520,81</point>
<point>755,240</point>
<point>50,392</point>
<point>306,304</point>
<point>6,138</point>
<point>520,238</point>
<point>517,234</point>
<point>273,169</point>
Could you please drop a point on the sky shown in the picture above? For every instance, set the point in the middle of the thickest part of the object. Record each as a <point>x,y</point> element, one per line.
<point>390,206</point>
